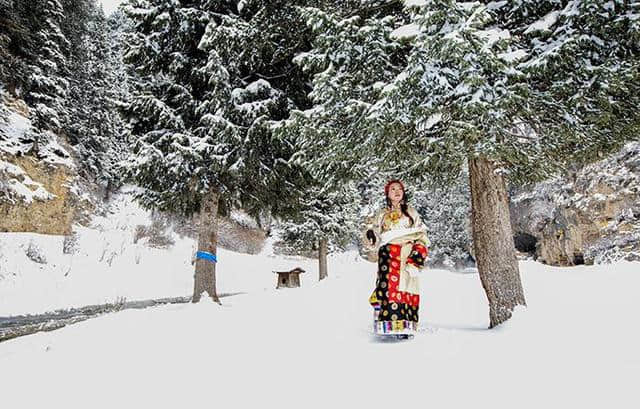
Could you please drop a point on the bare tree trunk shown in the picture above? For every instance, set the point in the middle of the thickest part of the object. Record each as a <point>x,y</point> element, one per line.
<point>493,240</point>
<point>205,275</point>
<point>322,258</point>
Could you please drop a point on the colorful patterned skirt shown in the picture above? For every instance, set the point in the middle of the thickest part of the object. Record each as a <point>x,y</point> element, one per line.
<point>395,310</point>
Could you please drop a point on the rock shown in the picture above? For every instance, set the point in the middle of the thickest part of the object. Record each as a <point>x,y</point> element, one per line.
<point>590,217</point>
<point>52,216</point>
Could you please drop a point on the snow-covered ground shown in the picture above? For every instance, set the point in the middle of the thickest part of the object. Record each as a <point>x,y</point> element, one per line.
<point>106,264</point>
<point>575,346</point>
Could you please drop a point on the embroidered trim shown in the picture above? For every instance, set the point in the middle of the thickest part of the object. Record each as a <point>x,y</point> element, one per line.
<point>395,327</point>
<point>395,295</point>
<point>392,327</point>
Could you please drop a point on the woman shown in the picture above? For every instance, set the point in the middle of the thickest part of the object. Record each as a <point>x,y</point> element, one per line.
<point>402,243</point>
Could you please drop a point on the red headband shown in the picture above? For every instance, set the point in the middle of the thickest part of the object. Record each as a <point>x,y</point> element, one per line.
<point>389,183</point>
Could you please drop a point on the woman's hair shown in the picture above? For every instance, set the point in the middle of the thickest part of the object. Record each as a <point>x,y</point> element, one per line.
<point>403,205</point>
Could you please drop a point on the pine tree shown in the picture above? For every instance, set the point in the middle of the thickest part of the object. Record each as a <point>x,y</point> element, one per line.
<point>97,89</point>
<point>503,89</point>
<point>325,221</point>
<point>61,59</point>
<point>48,84</point>
<point>175,161</point>
<point>329,214</point>
<point>15,41</point>
<point>35,67</point>
<point>351,60</point>
<point>446,209</point>
<point>213,75</point>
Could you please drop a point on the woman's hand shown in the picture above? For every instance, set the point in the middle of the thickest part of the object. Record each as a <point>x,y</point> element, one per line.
<point>371,236</point>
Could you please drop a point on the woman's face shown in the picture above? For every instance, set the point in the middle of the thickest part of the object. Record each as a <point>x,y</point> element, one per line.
<point>395,192</point>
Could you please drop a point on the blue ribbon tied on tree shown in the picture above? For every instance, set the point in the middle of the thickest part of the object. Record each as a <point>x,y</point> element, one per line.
<point>203,255</point>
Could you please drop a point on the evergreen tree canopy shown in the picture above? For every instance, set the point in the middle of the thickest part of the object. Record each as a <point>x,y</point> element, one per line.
<point>324,212</point>
<point>532,85</point>
<point>61,57</point>
<point>47,83</point>
<point>97,90</point>
<point>351,59</point>
<point>214,75</point>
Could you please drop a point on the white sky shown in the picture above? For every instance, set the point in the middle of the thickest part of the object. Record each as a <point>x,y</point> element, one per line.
<point>110,5</point>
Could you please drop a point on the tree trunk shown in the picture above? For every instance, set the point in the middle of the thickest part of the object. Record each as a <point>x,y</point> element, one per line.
<point>322,258</point>
<point>205,275</point>
<point>493,240</point>
<point>11,88</point>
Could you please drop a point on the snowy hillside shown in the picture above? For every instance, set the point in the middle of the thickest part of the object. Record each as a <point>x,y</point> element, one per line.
<point>589,216</point>
<point>311,347</point>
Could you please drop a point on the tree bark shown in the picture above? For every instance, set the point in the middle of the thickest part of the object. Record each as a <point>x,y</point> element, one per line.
<point>322,259</point>
<point>205,274</point>
<point>493,240</point>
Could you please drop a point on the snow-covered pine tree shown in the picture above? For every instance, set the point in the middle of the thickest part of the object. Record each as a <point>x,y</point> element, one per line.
<point>326,220</point>
<point>179,167</point>
<point>454,101</point>
<point>255,43</point>
<point>213,74</point>
<point>446,210</point>
<point>502,95</point>
<point>351,60</point>
<point>36,68</point>
<point>47,83</point>
<point>10,26</point>
<point>6,23</point>
<point>59,60</point>
<point>332,206</point>
<point>16,45</point>
<point>97,89</point>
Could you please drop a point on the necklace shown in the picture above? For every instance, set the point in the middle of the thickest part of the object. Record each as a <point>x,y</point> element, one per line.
<point>394,215</point>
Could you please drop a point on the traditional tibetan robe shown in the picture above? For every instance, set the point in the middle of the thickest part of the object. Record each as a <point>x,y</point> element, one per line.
<point>402,251</point>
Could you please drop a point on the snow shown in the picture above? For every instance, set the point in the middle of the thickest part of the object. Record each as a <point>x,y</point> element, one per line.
<point>491,36</point>
<point>575,345</point>
<point>55,154</point>
<point>311,345</point>
<point>110,265</point>
<point>433,120</point>
<point>20,185</point>
<point>417,3</point>
<point>512,56</point>
<point>12,131</point>
<point>407,31</point>
<point>109,6</point>
<point>497,5</point>
<point>15,129</point>
<point>544,24</point>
